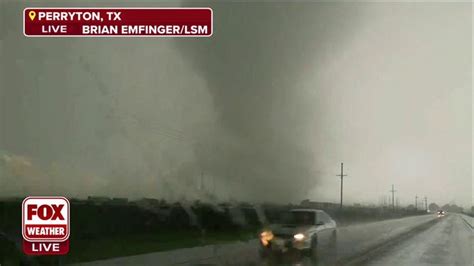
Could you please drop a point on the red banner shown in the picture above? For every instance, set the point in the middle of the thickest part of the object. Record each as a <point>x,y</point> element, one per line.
<point>45,248</point>
<point>116,22</point>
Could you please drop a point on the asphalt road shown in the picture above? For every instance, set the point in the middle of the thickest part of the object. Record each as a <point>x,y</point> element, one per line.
<point>448,242</point>
<point>353,242</point>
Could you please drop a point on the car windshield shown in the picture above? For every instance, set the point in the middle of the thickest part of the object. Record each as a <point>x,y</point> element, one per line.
<point>298,218</point>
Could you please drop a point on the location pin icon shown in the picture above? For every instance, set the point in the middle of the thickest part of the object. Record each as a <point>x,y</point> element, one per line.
<point>32,15</point>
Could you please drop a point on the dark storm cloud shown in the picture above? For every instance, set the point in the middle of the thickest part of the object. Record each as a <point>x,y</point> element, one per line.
<point>254,65</point>
<point>265,109</point>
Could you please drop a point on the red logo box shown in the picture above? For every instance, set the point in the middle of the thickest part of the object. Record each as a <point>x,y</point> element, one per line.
<point>46,248</point>
<point>45,225</point>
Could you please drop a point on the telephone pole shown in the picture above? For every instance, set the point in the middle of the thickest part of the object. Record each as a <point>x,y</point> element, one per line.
<point>342,175</point>
<point>416,202</point>
<point>202,181</point>
<point>214,185</point>
<point>426,203</point>
<point>393,197</point>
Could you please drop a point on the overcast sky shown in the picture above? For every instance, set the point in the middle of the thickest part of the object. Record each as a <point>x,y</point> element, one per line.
<point>266,109</point>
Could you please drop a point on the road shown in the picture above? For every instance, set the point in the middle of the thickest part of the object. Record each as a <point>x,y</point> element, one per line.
<point>448,242</point>
<point>419,240</point>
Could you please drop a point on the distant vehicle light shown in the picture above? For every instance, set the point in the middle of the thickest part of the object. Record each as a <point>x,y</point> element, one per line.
<point>299,237</point>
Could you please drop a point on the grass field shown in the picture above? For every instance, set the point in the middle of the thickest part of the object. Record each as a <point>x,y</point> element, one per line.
<point>126,245</point>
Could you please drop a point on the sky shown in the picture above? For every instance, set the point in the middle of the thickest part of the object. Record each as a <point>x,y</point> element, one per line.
<point>264,110</point>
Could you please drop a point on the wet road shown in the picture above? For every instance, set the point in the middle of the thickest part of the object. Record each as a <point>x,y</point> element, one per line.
<point>352,242</point>
<point>448,242</point>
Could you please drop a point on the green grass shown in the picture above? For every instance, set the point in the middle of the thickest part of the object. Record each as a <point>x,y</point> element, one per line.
<point>127,245</point>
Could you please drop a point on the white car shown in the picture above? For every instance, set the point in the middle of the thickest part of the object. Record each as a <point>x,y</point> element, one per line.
<point>299,229</point>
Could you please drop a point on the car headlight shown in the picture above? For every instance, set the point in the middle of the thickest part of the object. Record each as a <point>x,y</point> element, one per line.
<point>299,237</point>
<point>265,237</point>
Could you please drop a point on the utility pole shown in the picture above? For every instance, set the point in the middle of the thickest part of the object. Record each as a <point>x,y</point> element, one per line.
<point>426,203</point>
<point>416,202</point>
<point>342,175</point>
<point>393,197</point>
<point>214,185</point>
<point>202,180</point>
